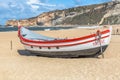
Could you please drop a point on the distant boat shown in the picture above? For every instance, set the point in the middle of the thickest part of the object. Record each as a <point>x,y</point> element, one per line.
<point>87,45</point>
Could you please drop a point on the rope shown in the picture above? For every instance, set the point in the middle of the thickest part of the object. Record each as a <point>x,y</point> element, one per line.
<point>99,40</point>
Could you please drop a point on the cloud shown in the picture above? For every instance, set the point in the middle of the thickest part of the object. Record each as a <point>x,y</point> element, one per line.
<point>43,4</point>
<point>3,5</point>
<point>37,3</point>
<point>32,2</point>
<point>35,7</point>
<point>12,4</point>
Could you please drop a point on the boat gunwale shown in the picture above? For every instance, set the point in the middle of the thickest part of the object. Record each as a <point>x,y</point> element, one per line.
<point>60,41</point>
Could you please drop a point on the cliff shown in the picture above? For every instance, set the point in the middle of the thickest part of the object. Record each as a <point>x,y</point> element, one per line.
<point>106,13</point>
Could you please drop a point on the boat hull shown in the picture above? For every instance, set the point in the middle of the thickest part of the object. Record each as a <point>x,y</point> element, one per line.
<point>88,45</point>
<point>93,52</point>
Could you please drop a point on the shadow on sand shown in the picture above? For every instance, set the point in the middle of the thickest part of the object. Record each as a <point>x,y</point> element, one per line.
<point>27,53</point>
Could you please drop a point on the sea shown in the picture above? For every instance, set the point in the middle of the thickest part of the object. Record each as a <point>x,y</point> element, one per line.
<point>6,29</point>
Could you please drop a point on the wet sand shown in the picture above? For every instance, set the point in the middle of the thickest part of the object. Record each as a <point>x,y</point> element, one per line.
<point>16,65</point>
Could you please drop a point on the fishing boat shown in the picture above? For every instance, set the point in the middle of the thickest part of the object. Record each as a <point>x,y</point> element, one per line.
<point>86,45</point>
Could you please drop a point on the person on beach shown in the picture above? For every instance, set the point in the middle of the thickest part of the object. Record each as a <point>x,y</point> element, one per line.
<point>117,31</point>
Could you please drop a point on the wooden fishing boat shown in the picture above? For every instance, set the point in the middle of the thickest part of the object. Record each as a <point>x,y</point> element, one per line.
<point>87,45</point>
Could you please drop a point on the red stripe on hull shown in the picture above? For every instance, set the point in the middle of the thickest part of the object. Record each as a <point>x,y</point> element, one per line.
<point>38,45</point>
<point>60,41</point>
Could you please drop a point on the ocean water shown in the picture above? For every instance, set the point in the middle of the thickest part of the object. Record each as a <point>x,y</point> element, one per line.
<point>4,29</point>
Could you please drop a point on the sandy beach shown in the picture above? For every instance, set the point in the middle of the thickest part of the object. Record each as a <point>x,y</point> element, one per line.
<point>16,65</point>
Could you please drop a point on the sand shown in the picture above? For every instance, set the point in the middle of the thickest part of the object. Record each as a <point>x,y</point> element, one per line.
<point>17,66</point>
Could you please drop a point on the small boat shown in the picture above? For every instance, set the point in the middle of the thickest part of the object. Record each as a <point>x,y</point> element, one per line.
<point>87,45</point>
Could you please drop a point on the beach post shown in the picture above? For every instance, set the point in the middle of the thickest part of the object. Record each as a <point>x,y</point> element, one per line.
<point>11,44</point>
<point>101,50</point>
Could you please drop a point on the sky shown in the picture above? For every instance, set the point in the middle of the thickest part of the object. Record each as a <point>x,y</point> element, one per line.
<point>20,9</point>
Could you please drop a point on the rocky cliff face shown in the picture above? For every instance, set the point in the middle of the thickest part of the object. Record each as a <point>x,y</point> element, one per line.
<point>106,13</point>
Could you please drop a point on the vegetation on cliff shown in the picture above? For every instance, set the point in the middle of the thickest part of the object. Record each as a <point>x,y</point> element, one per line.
<point>93,15</point>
